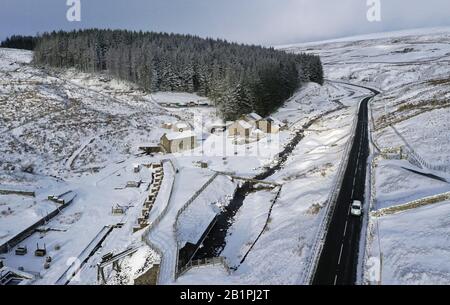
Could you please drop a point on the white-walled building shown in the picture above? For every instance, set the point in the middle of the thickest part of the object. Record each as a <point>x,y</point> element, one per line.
<point>179,141</point>
<point>270,125</point>
<point>240,128</point>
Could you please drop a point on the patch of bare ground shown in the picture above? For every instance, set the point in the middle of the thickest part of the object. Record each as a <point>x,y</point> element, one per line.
<point>314,209</point>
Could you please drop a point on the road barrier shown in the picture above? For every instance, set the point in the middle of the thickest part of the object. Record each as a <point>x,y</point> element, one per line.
<point>371,191</point>
<point>369,229</point>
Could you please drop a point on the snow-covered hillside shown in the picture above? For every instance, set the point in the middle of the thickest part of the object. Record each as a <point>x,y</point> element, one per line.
<point>78,135</point>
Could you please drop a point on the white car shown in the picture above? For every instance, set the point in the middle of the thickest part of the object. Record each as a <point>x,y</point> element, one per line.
<point>356,209</point>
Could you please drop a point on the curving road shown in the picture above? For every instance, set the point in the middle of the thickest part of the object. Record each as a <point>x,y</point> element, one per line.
<point>339,257</point>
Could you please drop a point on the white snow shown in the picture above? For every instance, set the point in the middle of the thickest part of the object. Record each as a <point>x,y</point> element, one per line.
<point>180,135</point>
<point>80,132</point>
<point>193,222</point>
<point>414,247</point>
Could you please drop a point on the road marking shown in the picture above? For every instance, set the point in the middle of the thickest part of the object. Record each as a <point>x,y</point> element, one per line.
<point>335,279</point>
<point>345,229</point>
<point>340,254</point>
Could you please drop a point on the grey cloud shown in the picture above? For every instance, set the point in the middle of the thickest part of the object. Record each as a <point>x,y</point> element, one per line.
<point>250,21</point>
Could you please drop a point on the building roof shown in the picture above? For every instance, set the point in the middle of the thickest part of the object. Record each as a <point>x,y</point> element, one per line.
<point>275,121</point>
<point>254,116</point>
<point>244,124</point>
<point>182,125</point>
<point>218,123</point>
<point>179,135</point>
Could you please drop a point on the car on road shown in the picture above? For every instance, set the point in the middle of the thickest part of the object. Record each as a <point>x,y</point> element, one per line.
<point>356,209</point>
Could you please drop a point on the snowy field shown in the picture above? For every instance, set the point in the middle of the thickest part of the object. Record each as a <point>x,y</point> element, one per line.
<point>415,247</point>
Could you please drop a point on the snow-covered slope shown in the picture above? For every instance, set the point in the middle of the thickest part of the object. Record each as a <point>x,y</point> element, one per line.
<point>65,130</point>
<point>71,131</point>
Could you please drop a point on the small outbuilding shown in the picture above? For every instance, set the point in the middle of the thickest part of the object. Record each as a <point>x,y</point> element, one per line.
<point>179,141</point>
<point>118,210</point>
<point>135,184</point>
<point>167,125</point>
<point>270,125</point>
<point>240,128</point>
<point>21,250</point>
<point>252,118</point>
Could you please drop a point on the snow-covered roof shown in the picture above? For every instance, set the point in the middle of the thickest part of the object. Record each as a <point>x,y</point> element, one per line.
<point>254,116</point>
<point>218,123</point>
<point>179,135</point>
<point>275,121</point>
<point>182,125</point>
<point>244,124</point>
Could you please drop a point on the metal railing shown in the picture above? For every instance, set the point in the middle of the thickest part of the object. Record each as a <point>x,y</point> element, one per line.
<point>370,191</point>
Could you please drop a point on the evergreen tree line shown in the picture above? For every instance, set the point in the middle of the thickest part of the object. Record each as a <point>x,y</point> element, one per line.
<point>238,78</point>
<point>19,42</point>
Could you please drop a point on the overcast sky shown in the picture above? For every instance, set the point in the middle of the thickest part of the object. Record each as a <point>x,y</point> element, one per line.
<point>267,22</point>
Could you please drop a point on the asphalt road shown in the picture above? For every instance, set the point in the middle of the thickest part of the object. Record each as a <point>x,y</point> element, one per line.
<point>339,258</point>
